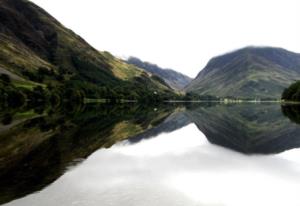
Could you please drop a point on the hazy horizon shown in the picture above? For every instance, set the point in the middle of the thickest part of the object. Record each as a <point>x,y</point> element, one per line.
<point>178,34</point>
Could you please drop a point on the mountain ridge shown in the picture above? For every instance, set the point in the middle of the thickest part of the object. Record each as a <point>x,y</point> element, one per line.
<point>175,79</point>
<point>250,72</point>
<point>36,49</point>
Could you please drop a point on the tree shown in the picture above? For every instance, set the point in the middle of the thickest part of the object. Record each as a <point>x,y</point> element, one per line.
<point>292,93</point>
<point>5,79</point>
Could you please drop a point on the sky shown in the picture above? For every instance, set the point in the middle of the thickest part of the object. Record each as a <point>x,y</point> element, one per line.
<point>179,34</point>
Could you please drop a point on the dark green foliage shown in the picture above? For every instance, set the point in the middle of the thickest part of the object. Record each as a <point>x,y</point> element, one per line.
<point>36,96</point>
<point>41,74</point>
<point>194,96</point>
<point>97,74</point>
<point>53,95</point>
<point>5,79</point>
<point>292,93</point>
<point>6,119</point>
<point>292,112</point>
<point>32,76</point>
<point>160,80</point>
<point>10,96</point>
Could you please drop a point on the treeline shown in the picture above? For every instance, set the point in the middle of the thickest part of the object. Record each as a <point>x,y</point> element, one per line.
<point>292,93</point>
<point>194,96</point>
<point>101,84</point>
<point>76,91</point>
<point>189,96</point>
<point>13,96</point>
<point>88,81</point>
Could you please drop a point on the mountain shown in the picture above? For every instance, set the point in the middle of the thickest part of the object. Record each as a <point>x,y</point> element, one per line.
<point>175,79</point>
<point>35,49</point>
<point>249,129</point>
<point>251,72</point>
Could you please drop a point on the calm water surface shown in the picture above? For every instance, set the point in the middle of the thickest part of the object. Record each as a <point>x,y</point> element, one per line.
<point>239,154</point>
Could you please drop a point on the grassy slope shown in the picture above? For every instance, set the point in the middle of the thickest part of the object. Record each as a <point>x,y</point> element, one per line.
<point>31,39</point>
<point>244,75</point>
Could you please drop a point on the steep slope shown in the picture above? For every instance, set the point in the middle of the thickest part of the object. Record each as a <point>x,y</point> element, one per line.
<point>175,79</point>
<point>35,47</point>
<point>251,72</point>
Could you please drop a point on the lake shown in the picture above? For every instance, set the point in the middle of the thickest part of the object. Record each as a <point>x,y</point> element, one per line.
<point>136,155</point>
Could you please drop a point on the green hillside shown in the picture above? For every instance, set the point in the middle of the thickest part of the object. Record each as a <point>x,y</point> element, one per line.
<point>248,73</point>
<point>37,50</point>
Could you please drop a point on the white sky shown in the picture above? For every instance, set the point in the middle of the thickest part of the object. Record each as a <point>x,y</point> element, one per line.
<point>180,34</point>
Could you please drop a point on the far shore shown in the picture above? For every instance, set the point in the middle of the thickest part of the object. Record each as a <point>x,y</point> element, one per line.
<point>87,101</point>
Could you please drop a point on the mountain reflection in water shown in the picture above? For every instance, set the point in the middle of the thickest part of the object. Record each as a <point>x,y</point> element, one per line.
<point>153,147</point>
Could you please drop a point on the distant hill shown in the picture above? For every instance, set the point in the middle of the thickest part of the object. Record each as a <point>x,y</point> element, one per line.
<point>35,49</point>
<point>251,72</point>
<point>175,79</point>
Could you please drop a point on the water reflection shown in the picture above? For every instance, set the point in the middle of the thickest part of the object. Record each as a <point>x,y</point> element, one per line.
<point>36,149</point>
<point>251,128</point>
<point>171,170</point>
<point>157,156</point>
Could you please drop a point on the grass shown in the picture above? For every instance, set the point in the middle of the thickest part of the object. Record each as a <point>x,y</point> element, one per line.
<point>27,114</point>
<point>88,101</point>
<point>27,84</point>
<point>14,56</point>
<point>121,69</point>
